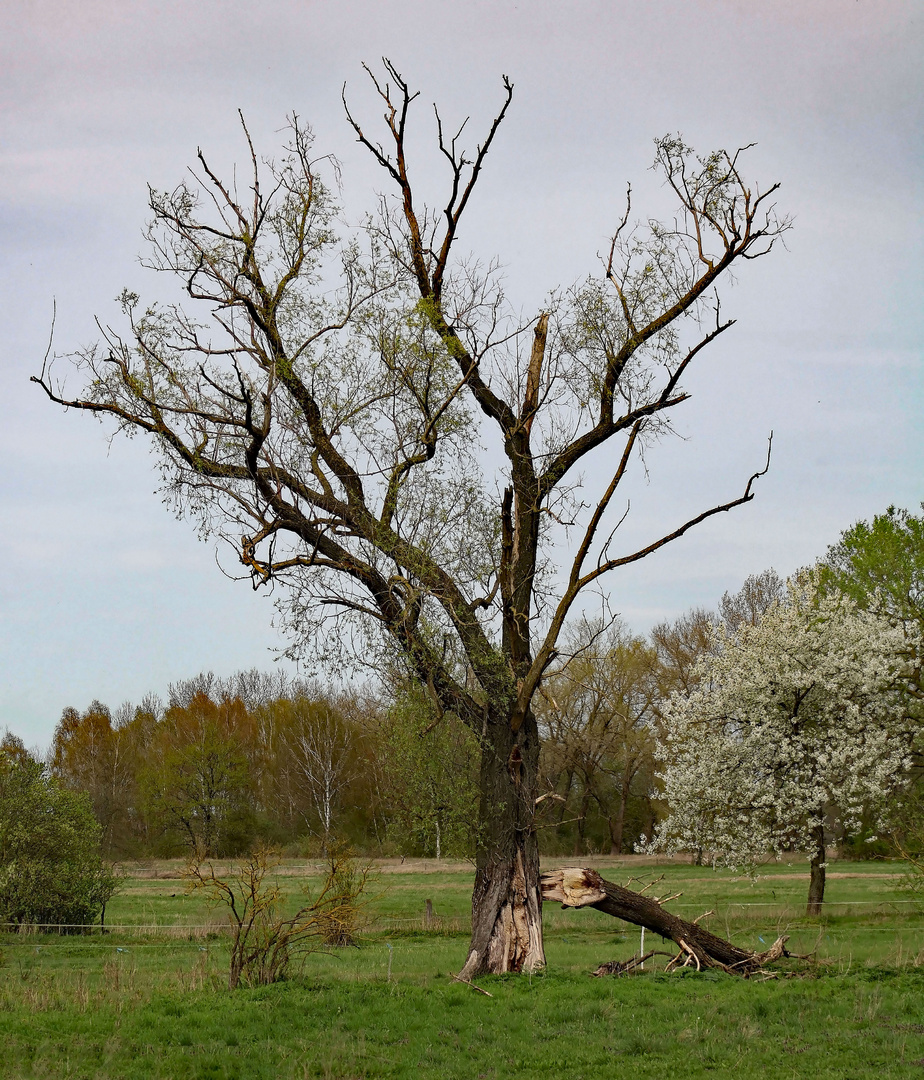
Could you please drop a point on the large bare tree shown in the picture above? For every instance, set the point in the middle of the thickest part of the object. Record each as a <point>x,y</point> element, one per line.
<point>327,414</point>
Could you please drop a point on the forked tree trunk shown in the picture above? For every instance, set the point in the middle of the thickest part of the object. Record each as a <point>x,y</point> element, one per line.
<point>816,895</point>
<point>506,900</point>
<point>563,805</point>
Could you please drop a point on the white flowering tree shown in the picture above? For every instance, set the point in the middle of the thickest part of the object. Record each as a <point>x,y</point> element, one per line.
<point>796,726</point>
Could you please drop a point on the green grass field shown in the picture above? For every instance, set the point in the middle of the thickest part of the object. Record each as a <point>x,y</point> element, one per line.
<point>148,998</point>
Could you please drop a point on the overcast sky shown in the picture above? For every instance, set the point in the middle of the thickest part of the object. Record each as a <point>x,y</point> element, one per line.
<point>106,596</point>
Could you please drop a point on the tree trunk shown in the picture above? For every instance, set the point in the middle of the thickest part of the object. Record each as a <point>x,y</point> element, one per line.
<point>816,894</point>
<point>581,824</point>
<point>616,830</point>
<point>506,900</point>
<point>618,824</point>
<point>563,805</point>
<point>650,826</point>
<point>577,887</point>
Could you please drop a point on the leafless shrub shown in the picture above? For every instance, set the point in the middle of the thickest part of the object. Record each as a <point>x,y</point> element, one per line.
<point>263,941</point>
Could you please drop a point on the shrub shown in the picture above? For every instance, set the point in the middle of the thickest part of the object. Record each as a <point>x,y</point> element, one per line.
<point>263,942</point>
<point>51,871</point>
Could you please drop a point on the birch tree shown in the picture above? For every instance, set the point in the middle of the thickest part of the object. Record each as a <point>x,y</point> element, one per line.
<point>324,411</point>
<point>320,750</point>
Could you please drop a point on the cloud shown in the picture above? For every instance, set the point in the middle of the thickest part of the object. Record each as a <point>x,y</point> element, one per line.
<point>100,98</point>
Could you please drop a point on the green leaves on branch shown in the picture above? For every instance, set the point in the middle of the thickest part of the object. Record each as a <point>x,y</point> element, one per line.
<point>880,565</point>
<point>430,770</point>
<point>51,871</point>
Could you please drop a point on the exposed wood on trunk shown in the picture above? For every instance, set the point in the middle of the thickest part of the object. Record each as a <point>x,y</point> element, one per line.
<point>506,900</point>
<point>580,887</point>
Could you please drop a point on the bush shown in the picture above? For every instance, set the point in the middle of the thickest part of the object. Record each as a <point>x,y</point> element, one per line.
<point>263,941</point>
<point>51,871</point>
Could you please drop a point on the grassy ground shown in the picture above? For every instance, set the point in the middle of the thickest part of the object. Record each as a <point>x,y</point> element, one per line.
<point>148,1000</point>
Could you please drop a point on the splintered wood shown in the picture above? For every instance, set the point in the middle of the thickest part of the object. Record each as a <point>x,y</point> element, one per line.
<point>573,886</point>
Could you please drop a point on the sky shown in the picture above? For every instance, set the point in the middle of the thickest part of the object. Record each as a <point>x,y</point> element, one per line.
<point>105,595</point>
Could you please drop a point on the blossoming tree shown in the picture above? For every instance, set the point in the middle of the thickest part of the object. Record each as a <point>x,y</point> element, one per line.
<point>796,726</point>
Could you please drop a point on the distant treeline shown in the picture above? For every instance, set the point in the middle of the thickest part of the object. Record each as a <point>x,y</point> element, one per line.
<point>224,763</point>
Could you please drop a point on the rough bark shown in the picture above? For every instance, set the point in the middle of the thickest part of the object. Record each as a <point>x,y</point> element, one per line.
<point>816,896</point>
<point>580,887</point>
<point>506,900</point>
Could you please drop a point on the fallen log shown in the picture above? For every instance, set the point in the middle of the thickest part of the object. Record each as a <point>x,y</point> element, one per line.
<point>576,887</point>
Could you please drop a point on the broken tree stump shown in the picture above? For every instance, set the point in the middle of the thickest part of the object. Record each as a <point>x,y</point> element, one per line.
<point>578,887</point>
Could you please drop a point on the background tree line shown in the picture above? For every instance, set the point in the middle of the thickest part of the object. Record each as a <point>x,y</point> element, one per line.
<point>224,763</point>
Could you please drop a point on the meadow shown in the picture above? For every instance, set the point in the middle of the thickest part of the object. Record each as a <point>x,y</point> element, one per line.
<point>149,999</point>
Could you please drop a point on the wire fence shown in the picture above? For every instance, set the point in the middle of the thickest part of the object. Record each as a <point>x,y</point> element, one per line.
<point>441,924</point>
<point>907,944</point>
<point>436,925</point>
